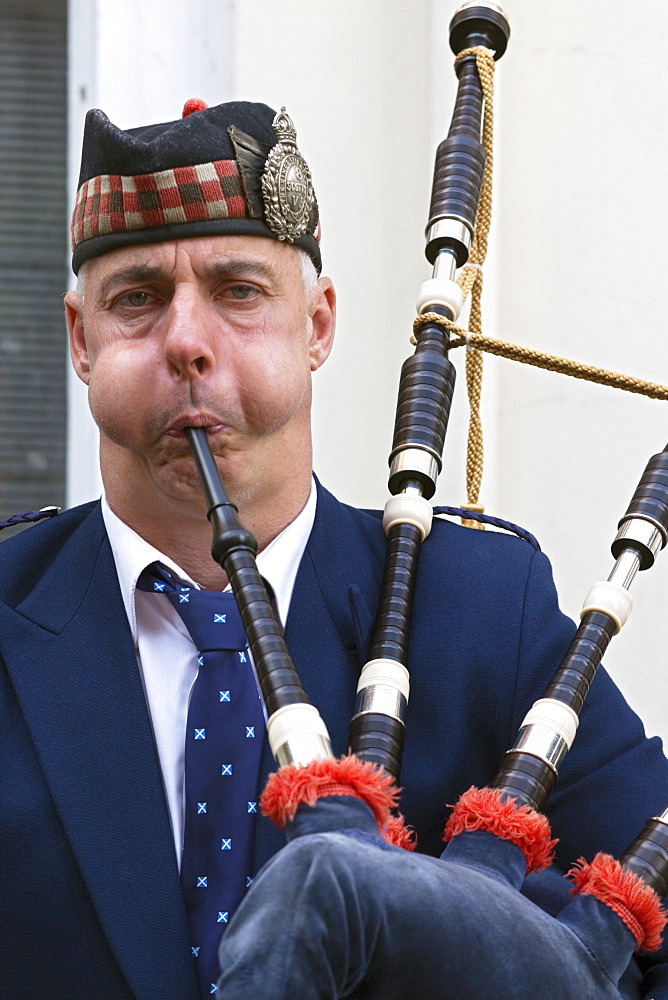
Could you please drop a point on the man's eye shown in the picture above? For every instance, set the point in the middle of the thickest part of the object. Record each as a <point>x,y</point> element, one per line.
<point>241,291</point>
<point>137,298</point>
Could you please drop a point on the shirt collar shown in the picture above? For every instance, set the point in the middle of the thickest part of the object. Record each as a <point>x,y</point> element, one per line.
<point>278,562</point>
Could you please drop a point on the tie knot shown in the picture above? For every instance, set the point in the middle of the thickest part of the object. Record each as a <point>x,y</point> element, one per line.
<point>211,616</point>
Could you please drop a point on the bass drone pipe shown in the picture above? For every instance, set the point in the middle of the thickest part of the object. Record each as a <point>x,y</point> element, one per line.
<point>377,729</point>
<point>368,920</point>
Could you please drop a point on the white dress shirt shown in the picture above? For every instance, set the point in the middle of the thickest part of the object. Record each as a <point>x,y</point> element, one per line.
<point>166,655</point>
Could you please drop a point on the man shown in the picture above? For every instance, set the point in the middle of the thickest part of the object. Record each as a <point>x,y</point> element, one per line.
<point>194,309</point>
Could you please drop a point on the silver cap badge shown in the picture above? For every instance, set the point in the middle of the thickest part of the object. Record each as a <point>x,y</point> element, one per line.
<point>287,188</point>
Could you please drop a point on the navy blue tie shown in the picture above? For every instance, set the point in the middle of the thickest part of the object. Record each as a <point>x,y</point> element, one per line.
<point>224,735</point>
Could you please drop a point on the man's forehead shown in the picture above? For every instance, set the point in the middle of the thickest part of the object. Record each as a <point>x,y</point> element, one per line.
<point>204,255</point>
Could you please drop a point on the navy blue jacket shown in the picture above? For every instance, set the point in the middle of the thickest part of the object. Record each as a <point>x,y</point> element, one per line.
<point>90,900</point>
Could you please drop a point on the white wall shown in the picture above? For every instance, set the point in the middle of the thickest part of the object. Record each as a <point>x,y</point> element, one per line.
<point>575,265</point>
<point>583,154</point>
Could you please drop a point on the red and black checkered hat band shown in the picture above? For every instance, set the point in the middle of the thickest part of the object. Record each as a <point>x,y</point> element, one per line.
<point>110,203</point>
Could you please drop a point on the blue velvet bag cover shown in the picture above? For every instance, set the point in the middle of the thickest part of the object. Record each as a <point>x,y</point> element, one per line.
<point>339,913</point>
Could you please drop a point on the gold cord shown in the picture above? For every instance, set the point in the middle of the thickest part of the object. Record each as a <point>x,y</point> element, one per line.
<point>551,362</point>
<point>470,280</point>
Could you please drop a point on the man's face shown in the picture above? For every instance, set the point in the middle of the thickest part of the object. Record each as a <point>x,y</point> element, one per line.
<point>218,332</point>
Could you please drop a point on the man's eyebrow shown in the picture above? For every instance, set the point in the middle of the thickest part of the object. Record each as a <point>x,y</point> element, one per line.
<point>143,273</point>
<point>130,275</point>
<point>239,268</point>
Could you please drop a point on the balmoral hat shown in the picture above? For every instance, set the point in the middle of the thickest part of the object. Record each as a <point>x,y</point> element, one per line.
<point>233,169</point>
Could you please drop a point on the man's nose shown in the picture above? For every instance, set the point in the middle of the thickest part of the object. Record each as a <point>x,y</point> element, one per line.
<point>189,337</point>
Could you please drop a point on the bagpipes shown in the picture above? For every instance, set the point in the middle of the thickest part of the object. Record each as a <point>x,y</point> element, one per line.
<point>345,910</point>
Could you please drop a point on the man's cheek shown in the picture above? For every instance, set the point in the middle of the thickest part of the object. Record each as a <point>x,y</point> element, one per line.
<point>110,412</point>
<point>117,397</point>
<point>272,401</point>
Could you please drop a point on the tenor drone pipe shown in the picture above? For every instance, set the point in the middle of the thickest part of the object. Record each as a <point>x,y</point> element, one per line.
<point>425,394</point>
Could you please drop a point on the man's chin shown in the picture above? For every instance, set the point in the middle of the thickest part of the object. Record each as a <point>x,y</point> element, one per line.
<point>179,480</point>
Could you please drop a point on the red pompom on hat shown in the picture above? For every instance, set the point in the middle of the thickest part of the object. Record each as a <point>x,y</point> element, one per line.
<point>193,104</point>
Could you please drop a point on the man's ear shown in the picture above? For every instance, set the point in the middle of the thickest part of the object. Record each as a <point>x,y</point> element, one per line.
<point>75,328</point>
<point>323,322</point>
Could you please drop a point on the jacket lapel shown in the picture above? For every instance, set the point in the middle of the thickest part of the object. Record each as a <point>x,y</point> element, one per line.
<point>329,624</point>
<point>79,687</point>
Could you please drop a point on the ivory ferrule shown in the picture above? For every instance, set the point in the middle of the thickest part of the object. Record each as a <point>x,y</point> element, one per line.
<point>385,671</point>
<point>297,735</point>
<point>548,731</point>
<point>383,688</point>
<point>611,600</point>
<point>405,508</point>
<point>440,292</point>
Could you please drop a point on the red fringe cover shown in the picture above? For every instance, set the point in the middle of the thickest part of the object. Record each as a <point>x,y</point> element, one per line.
<point>484,809</point>
<point>288,787</point>
<point>399,834</point>
<point>625,893</point>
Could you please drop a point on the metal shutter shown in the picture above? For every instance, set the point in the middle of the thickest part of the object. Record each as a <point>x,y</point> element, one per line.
<point>33,247</point>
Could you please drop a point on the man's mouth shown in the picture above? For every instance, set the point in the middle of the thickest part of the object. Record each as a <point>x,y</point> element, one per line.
<point>211,424</point>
